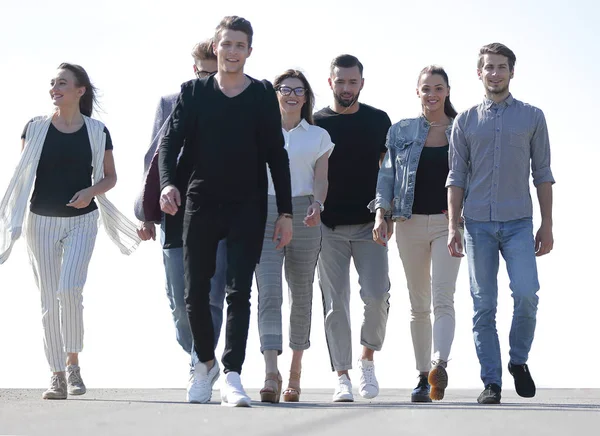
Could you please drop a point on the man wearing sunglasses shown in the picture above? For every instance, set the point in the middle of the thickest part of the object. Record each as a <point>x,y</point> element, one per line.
<point>359,134</point>
<point>147,210</point>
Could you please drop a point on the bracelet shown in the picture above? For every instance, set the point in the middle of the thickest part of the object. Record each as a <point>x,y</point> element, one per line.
<point>286,215</point>
<point>321,207</point>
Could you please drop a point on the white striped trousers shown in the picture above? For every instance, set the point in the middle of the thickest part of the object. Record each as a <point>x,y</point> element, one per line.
<point>60,250</point>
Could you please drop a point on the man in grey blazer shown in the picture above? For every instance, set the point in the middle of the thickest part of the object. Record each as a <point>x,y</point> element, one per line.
<point>147,210</point>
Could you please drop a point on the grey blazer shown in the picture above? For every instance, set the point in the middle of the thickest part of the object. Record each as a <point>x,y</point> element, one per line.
<point>163,112</point>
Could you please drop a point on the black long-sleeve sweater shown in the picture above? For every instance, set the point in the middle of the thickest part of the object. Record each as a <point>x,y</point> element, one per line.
<point>227,142</point>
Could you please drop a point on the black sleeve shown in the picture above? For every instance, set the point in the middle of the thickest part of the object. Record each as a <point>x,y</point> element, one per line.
<point>109,145</point>
<point>387,123</point>
<point>25,129</point>
<point>172,141</point>
<point>272,136</point>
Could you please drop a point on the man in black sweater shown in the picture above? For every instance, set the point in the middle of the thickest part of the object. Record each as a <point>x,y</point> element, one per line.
<point>359,133</point>
<point>229,126</point>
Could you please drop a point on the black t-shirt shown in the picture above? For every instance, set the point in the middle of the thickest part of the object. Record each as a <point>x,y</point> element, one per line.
<point>65,167</point>
<point>359,140</point>
<point>430,185</point>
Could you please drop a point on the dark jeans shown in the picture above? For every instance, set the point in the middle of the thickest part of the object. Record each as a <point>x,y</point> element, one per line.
<point>205,224</point>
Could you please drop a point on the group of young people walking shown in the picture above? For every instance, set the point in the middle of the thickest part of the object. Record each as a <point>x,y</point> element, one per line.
<point>245,181</point>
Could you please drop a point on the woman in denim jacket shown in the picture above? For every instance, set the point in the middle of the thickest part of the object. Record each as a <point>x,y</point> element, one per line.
<point>411,190</point>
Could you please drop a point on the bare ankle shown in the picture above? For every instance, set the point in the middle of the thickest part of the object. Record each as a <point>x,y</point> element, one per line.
<point>367,354</point>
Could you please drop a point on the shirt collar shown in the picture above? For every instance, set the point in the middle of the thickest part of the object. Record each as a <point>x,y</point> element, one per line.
<point>426,124</point>
<point>303,123</point>
<point>490,103</point>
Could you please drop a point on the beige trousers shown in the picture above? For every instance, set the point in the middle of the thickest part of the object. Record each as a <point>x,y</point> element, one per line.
<point>430,275</point>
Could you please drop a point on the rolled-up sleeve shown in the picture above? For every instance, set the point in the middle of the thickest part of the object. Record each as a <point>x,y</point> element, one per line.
<point>459,156</point>
<point>385,179</point>
<point>540,152</point>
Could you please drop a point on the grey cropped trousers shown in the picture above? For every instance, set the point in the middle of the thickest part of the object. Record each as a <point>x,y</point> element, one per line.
<point>299,260</point>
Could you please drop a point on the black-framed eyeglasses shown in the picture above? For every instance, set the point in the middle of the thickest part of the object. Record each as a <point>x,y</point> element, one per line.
<point>286,90</point>
<point>201,74</point>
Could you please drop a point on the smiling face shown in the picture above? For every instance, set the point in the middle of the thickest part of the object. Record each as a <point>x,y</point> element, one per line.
<point>432,91</point>
<point>64,90</point>
<point>232,50</point>
<point>291,104</point>
<point>495,74</point>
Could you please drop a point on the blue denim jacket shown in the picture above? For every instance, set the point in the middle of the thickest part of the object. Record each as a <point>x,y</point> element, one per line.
<point>396,181</point>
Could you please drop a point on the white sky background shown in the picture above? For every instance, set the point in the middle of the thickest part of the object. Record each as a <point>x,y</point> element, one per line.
<point>135,51</point>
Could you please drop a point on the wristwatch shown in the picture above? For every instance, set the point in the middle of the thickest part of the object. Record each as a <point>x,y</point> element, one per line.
<point>321,207</point>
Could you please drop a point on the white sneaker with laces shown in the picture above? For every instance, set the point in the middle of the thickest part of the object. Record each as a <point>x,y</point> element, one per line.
<point>232,392</point>
<point>368,387</point>
<point>57,389</point>
<point>75,385</point>
<point>343,390</point>
<point>199,389</point>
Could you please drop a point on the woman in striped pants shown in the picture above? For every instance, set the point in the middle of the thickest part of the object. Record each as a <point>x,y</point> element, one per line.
<point>66,162</point>
<point>308,148</point>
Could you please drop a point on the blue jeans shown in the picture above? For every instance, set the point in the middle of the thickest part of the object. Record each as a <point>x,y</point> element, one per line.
<point>173,260</point>
<point>483,243</point>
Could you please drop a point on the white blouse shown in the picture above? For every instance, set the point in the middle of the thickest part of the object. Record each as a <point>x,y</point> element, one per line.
<point>305,144</point>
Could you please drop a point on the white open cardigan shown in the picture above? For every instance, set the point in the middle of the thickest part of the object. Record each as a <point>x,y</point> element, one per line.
<point>14,204</point>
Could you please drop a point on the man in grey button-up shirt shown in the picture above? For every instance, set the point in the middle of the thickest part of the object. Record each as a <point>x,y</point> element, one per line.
<point>492,147</point>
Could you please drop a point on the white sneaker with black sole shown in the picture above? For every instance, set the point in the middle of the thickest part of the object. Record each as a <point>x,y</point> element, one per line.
<point>199,389</point>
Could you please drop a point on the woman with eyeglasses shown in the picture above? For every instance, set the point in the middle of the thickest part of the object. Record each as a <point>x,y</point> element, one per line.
<point>309,148</point>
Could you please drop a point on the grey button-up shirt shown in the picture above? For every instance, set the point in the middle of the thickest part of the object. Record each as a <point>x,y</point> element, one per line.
<point>491,148</point>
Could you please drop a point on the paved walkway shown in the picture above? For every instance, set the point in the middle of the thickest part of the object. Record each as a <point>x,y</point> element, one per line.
<point>161,412</point>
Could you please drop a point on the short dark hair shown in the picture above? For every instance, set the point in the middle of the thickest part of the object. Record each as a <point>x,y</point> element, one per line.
<point>307,110</point>
<point>234,22</point>
<point>499,49</point>
<point>203,51</point>
<point>88,100</point>
<point>346,61</point>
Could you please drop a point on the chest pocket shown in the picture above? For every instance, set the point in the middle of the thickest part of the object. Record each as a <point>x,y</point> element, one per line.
<point>402,149</point>
<point>519,137</point>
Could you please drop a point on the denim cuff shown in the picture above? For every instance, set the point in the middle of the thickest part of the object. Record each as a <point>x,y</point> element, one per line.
<point>380,203</point>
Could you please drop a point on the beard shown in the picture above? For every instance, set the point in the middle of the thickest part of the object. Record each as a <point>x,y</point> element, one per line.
<point>497,90</point>
<point>346,103</point>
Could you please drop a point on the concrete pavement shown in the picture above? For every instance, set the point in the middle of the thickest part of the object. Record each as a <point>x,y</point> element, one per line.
<point>163,412</point>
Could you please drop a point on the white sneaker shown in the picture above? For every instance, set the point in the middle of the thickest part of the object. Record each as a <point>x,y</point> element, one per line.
<point>75,385</point>
<point>368,387</point>
<point>343,390</point>
<point>232,392</point>
<point>199,389</point>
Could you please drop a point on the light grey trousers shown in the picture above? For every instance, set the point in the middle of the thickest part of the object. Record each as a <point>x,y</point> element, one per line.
<point>60,250</point>
<point>338,247</point>
<point>300,257</point>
